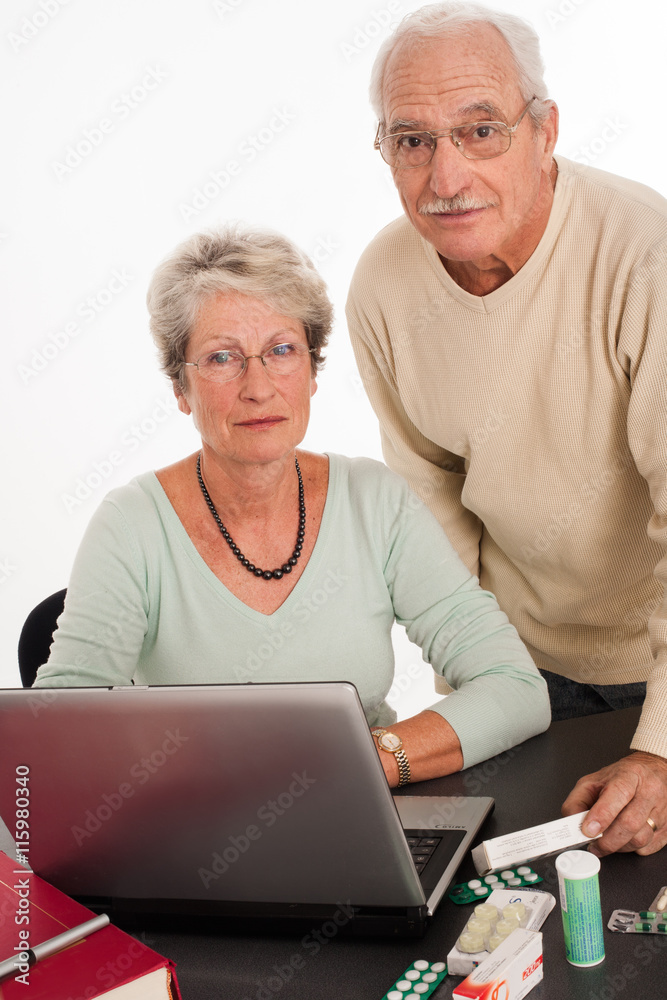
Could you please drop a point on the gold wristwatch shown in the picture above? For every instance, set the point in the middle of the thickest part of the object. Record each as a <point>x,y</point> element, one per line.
<point>392,743</point>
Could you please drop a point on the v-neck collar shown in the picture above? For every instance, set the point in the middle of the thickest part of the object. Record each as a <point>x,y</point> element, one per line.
<point>305,581</point>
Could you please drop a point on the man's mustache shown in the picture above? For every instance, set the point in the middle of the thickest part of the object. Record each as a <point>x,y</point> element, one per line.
<point>459,203</point>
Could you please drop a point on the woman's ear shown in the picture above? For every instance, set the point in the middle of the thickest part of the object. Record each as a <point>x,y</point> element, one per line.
<point>183,404</point>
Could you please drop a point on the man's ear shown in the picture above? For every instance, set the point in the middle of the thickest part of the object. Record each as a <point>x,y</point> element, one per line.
<point>550,131</point>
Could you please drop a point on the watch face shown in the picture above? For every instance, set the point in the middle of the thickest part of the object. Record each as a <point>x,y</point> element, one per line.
<point>390,741</point>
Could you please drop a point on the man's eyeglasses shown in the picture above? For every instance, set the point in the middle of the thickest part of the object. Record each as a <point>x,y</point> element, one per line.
<point>476,141</point>
<point>223,366</point>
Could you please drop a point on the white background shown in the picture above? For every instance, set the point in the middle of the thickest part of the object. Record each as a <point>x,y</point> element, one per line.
<point>183,87</point>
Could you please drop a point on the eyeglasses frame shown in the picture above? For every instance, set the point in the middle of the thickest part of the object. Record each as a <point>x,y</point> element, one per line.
<point>443,133</point>
<point>246,359</point>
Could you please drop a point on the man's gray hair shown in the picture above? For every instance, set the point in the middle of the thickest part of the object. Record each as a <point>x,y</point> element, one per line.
<point>258,263</point>
<point>438,19</point>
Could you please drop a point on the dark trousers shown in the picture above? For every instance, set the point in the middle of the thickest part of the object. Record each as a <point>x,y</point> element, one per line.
<point>570,699</point>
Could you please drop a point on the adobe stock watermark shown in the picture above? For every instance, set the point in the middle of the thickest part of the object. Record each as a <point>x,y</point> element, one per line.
<point>7,912</point>
<point>442,814</point>
<point>323,248</point>
<point>301,613</point>
<point>88,310</point>
<point>223,7</point>
<point>490,423</point>
<point>611,639</point>
<point>477,778</point>
<point>621,984</point>
<point>313,942</point>
<point>248,151</point>
<point>268,814</point>
<point>94,135</point>
<point>22,916</point>
<point>139,773</point>
<point>115,971</point>
<point>430,313</point>
<point>379,24</point>
<point>132,438</point>
<point>580,336</point>
<point>357,383</point>
<point>403,681</point>
<point>34,23</point>
<point>596,147</point>
<point>7,569</point>
<point>589,492</point>
<point>97,642</point>
<point>565,9</point>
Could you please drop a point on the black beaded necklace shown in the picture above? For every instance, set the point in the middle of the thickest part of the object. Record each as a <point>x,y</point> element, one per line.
<point>267,574</point>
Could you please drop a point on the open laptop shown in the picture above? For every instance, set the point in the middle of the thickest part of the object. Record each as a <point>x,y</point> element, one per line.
<point>263,800</point>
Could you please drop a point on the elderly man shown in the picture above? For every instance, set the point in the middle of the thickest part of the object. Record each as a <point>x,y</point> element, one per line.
<point>511,332</point>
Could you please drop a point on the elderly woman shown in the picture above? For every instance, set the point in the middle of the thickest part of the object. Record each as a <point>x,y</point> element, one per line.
<point>255,560</point>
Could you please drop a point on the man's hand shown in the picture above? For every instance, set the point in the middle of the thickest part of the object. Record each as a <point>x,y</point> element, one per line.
<point>622,797</point>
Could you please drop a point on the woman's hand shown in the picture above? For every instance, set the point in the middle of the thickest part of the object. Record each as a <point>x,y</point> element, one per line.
<point>430,744</point>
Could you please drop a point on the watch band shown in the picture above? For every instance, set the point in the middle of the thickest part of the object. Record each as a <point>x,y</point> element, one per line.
<point>394,744</point>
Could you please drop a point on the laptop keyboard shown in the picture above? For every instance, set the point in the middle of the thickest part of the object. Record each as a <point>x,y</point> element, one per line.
<point>432,852</point>
<point>422,850</point>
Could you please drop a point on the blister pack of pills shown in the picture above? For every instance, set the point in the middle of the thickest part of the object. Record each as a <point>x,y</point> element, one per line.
<point>638,922</point>
<point>651,921</point>
<point>493,921</point>
<point>477,889</point>
<point>418,981</point>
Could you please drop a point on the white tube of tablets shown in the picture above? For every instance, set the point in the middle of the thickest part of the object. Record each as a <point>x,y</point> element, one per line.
<point>580,907</point>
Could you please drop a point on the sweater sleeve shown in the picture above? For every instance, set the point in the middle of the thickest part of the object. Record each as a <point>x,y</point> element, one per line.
<point>499,698</point>
<point>642,351</point>
<point>102,628</point>
<point>436,475</point>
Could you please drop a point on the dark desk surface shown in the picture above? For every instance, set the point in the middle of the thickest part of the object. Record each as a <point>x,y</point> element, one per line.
<point>529,784</point>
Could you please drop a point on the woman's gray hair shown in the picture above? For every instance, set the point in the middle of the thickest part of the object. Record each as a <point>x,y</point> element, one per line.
<point>258,263</point>
<point>437,19</point>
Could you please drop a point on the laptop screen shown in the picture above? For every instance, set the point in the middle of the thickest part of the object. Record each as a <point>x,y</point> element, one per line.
<point>244,793</point>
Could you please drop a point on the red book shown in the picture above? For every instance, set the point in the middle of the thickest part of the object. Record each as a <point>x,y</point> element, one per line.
<point>108,963</point>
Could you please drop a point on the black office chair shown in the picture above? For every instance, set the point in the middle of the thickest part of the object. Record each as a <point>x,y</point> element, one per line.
<point>36,636</point>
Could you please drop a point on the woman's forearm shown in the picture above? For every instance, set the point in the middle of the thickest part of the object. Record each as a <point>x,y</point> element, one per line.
<point>430,745</point>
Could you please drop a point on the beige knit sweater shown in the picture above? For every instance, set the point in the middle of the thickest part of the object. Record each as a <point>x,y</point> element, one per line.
<point>533,421</point>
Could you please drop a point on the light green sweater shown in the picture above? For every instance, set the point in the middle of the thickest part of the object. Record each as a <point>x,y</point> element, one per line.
<point>143,605</point>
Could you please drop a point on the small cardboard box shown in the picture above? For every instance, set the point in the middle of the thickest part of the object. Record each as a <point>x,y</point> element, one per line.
<point>525,845</point>
<point>510,971</point>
